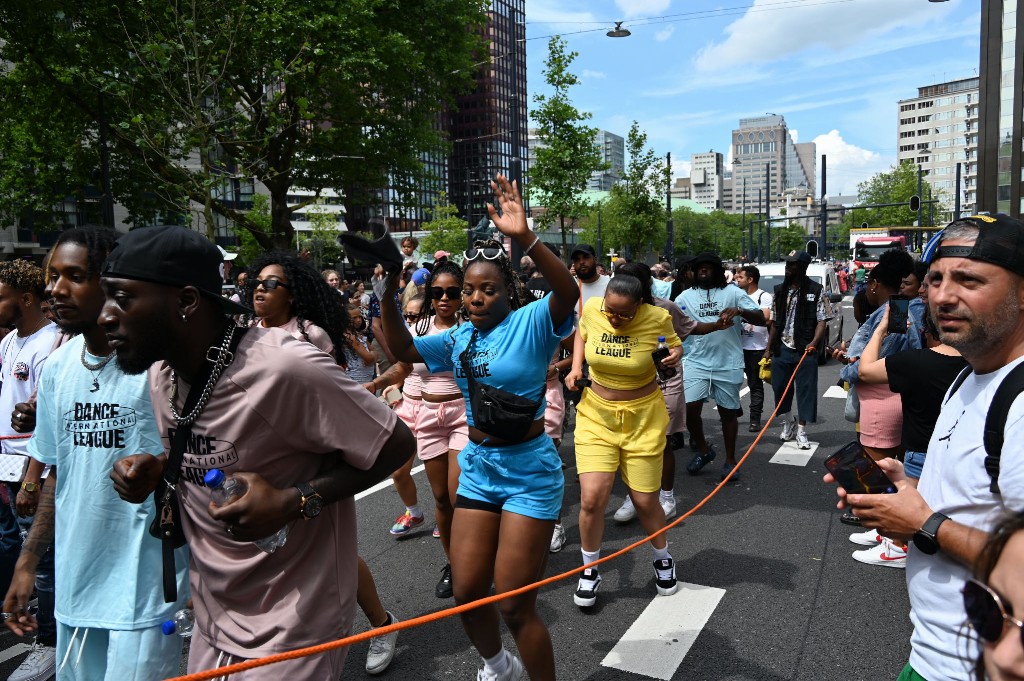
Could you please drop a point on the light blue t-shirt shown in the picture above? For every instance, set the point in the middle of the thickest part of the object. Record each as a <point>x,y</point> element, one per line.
<point>513,356</point>
<point>720,350</point>
<point>661,288</point>
<point>108,568</point>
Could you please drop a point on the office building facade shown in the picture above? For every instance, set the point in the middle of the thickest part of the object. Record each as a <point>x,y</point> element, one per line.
<point>766,159</point>
<point>706,179</point>
<point>612,148</point>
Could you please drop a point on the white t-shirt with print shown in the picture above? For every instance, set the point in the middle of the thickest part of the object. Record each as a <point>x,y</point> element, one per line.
<point>954,482</point>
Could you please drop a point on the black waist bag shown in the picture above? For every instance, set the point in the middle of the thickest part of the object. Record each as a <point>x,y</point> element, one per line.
<point>497,412</point>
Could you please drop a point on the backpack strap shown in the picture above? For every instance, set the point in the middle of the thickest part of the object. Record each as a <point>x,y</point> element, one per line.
<point>959,381</point>
<point>995,423</point>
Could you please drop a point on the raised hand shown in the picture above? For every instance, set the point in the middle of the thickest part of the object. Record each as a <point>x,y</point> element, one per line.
<point>512,221</point>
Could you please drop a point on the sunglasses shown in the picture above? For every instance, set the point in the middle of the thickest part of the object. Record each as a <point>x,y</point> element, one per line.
<point>485,253</point>
<point>410,317</point>
<point>452,292</point>
<point>270,284</point>
<point>987,612</point>
<point>615,315</point>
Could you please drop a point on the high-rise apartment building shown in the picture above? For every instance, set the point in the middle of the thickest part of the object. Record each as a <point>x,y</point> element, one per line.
<point>766,159</point>
<point>937,130</point>
<point>1000,142</point>
<point>613,153</point>
<point>706,179</point>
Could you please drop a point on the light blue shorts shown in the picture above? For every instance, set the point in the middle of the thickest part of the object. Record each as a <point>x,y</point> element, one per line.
<point>913,462</point>
<point>524,478</point>
<point>113,655</point>
<point>723,387</point>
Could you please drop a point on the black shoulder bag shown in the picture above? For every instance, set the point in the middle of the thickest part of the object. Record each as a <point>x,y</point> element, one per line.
<point>167,525</point>
<point>497,412</point>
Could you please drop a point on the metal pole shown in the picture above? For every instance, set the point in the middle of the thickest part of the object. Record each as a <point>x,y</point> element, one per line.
<point>743,227</point>
<point>956,202</point>
<point>824,210</point>
<point>515,169</point>
<point>670,231</point>
<point>920,175</point>
<point>600,241</point>
<point>760,241</point>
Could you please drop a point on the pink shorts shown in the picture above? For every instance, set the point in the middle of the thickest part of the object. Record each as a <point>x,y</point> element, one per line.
<point>881,416</point>
<point>407,409</point>
<point>441,426</point>
<point>555,409</point>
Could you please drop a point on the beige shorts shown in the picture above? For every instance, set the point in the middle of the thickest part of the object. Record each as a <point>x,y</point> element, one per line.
<point>440,427</point>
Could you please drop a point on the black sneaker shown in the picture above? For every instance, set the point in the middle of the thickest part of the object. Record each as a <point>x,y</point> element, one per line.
<point>586,590</point>
<point>700,460</point>
<point>755,425</point>
<point>444,586</point>
<point>665,576</point>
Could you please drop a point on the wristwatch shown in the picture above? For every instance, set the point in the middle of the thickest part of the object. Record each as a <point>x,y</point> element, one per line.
<point>32,487</point>
<point>310,501</point>
<point>927,538</point>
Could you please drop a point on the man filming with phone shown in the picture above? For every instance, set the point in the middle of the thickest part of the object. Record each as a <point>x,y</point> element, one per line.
<point>976,299</point>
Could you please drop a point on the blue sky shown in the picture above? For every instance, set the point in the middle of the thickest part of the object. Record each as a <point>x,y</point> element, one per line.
<point>834,68</point>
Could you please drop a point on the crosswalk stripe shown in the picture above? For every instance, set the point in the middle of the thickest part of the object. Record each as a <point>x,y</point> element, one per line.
<point>14,651</point>
<point>791,455</point>
<point>658,640</point>
<point>384,484</point>
<point>835,391</point>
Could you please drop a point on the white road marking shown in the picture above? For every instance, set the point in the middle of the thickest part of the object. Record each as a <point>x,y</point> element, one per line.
<point>658,640</point>
<point>743,391</point>
<point>14,651</point>
<point>791,455</point>
<point>384,484</point>
<point>835,391</point>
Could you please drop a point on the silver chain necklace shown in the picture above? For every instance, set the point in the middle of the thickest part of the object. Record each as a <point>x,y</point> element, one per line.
<point>96,368</point>
<point>221,357</point>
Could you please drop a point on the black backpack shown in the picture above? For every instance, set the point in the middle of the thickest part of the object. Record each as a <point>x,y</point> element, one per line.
<point>995,421</point>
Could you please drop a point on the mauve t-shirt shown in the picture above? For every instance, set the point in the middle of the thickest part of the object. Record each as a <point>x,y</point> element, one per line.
<point>282,409</point>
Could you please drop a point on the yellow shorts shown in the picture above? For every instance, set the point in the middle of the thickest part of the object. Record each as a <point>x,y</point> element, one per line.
<point>626,435</point>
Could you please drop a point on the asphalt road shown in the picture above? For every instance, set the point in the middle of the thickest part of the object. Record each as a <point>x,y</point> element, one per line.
<point>795,606</point>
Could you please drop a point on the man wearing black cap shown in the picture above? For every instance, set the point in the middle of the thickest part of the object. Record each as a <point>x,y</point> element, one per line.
<point>267,415</point>
<point>584,263</point>
<point>799,321</point>
<point>713,364</point>
<point>976,298</point>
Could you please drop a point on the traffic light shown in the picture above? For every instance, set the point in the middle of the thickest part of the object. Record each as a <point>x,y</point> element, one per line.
<point>812,248</point>
<point>915,203</point>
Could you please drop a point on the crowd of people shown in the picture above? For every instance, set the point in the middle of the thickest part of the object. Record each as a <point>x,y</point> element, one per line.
<point>129,378</point>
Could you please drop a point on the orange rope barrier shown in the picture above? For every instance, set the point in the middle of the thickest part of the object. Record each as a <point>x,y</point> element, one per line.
<point>444,614</point>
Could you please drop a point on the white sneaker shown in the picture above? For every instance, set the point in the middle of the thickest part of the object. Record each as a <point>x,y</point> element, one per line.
<point>869,538</point>
<point>886,554</point>
<point>557,539</point>
<point>40,664</point>
<point>788,429</point>
<point>586,590</point>
<point>801,439</point>
<point>515,671</point>
<point>626,512</point>
<point>668,504</point>
<point>382,650</point>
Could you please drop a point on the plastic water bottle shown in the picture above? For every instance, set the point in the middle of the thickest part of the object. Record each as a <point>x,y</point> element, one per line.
<point>224,490</point>
<point>660,353</point>
<point>182,623</point>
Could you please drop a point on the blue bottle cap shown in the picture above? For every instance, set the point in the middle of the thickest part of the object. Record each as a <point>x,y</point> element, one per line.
<point>214,477</point>
<point>169,627</point>
<point>661,339</point>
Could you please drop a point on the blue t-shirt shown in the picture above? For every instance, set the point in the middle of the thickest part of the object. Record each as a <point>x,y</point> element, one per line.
<point>513,356</point>
<point>108,570</point>
<point>661,288</point>
<point>719,350</point>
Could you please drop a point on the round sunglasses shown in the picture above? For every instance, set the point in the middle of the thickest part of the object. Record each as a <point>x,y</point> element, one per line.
<point>988,612</point>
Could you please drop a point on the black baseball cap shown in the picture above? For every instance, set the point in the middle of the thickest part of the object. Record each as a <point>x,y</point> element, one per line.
<point>583,248</point>
<point>172,256</point>
<point>1000,242</point>
<point>800,257</point>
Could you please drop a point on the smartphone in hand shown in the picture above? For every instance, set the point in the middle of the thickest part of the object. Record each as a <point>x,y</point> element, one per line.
<point>857,472</point>
<point>899,314</point>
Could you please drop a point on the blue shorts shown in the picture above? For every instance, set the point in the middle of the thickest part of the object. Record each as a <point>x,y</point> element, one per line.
<point>524,478</point>
<point>113,655</point>
<point>723,387</point>
<point>913,462</point>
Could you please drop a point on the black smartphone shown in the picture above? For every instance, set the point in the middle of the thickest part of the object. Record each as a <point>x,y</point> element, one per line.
<point>857,472</point>
<point>899,313</point>
<point>582,383</point>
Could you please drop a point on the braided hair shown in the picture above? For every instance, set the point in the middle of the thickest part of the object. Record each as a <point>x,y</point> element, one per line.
<point>98,241</point>
<point>516,294</point>
<point>427,311</point>
<point>312,299</point>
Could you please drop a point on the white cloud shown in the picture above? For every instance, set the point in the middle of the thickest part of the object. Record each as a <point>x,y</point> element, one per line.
<point>664,34</point>
<point>587,73</point>
<point>794,134</point>
<point>767,33</point>
<point>847,164</point>
<point>641,8</point>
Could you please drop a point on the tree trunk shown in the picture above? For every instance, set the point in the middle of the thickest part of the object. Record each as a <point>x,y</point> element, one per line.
<point>282,234</point>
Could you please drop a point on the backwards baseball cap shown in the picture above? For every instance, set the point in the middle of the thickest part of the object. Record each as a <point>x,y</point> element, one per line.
<point>799,257</point>
<point>421,276</point>
<point>1000,242</point>
<point>172,256</point>
<point>583,248</point>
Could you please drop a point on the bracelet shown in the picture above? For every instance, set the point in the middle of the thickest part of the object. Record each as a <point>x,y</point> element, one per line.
<point>529,248</point>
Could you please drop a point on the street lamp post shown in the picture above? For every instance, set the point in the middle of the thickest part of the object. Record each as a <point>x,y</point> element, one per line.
<point>670,231</point>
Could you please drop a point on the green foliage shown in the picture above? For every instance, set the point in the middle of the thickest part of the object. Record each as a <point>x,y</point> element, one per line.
<point>895,185</point>
<point>321,242</point>
<point>446,231</point>
<point>259,217</point>
<point>639,198</point>
<point>567,155</point>
<point>340,94</point>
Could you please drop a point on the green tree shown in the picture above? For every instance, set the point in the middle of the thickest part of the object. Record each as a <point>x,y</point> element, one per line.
<point>895,185</point>
<point>320,94</point>
<point>567,154</point>
<point>639,213</point>
<point>321,242</point>
<point>446,231</point>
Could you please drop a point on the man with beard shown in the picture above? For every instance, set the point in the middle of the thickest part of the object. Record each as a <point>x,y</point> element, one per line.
<point>713,364</point>
<point>109,605</point>
<point>584,263</point>
<point>268,416</point>
<point>976,298</point>
<point>800,313</point>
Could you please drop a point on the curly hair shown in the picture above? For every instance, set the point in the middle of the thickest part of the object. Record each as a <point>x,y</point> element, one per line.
<point>23,276</point>
<point>97,241</point>
<point>427,311</point>
<point>313,300</point>
<point>516,294</point>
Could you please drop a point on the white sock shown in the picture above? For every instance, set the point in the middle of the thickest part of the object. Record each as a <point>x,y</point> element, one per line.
<point>660,554</point>
<point>590,556</point>
<point>498,664</point>
<point>667,494</point>
<point>801,429</point>
<point>415,511</point>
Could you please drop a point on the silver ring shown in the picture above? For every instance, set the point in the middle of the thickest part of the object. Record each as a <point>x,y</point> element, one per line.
<point>231,530</point>
<point>8,615</point>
